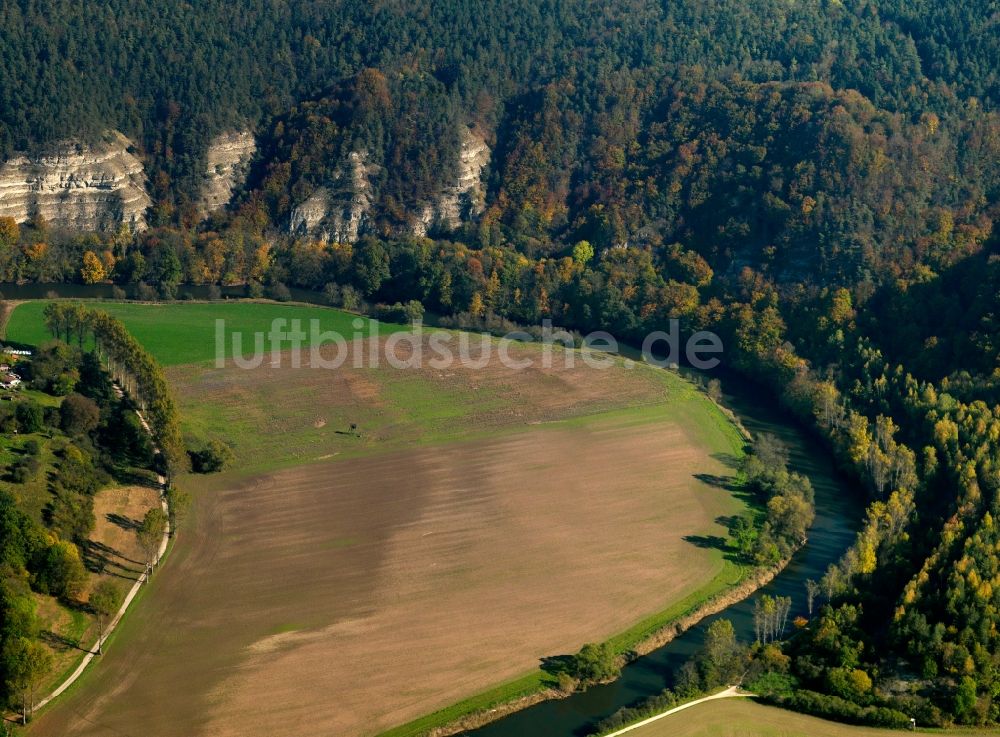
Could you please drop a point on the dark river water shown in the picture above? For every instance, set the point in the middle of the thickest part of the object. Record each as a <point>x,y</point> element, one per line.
<point>9,290</point>
<point>838,514</point>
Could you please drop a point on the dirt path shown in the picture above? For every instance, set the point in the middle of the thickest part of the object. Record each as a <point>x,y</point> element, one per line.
<point>6,308</point>
<point>731,692</point>
<point>133,592</point>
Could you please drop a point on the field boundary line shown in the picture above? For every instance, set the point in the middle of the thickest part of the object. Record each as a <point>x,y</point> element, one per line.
<point>133,592</point>
<point>729,693</point>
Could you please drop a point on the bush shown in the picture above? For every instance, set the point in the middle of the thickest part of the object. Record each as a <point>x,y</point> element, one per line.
<point>25,469</point>
<point>632,714</point>
<point>78,415</point>
<point>212,458</point>
<point>75,471</point>
<point>279,292</point>
<point>71,514</point>
<point>836,708</point>
<point>350,299</point>
<point>59,570</point>
<point>410,312</point>
<point>595,664</point>
<point>332,295</point>
<point>30,416</point>
<point>145,293</point>
<point>851,684</point>
<point>772,684</point>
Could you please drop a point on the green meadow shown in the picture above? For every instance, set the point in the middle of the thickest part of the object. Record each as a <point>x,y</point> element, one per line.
<point>180,333</point>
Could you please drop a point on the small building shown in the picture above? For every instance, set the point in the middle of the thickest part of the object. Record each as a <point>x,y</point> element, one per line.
<point>9,381</point>
<point>15,351</point>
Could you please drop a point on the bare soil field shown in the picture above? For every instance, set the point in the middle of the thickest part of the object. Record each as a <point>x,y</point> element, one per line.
<point>481,521</point>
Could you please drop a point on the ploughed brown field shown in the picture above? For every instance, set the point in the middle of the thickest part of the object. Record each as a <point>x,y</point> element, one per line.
<point>352,595</point>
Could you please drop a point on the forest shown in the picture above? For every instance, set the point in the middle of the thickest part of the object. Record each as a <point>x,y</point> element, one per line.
<point>818,182</point>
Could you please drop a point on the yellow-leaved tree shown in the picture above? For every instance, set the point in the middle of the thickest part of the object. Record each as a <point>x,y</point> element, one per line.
<point>93,269</point>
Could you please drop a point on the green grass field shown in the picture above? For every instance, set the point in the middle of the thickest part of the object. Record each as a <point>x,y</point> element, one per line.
<point>745,718</point>
<point>181,333</point>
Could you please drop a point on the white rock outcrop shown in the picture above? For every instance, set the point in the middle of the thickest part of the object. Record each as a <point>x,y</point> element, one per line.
<point>466,198</point>
<point>226,166</point>
<point>462,200</point>
<point>338,211</point>
<point>86,187</point>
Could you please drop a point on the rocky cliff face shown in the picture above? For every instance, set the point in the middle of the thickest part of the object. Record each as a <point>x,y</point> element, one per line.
<point>464,199</point>
<point>338,212</point>
<point>80,187</point>
<point>227,163</point>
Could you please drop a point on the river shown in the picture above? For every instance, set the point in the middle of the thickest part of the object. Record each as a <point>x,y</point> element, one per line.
<point>838,513</point>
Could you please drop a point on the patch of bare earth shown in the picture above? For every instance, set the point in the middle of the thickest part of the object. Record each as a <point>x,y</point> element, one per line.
<point>348,597</point>
<point>111,552</point>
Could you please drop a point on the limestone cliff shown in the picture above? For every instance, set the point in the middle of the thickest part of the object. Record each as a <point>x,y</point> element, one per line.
<point>338,212</point>
<point>76,186</point>
<point>464,198</point>
<point>227,162</point>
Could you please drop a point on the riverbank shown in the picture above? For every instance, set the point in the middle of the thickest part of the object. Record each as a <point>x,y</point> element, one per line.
<point>736,583</point>
<point>538,687</point>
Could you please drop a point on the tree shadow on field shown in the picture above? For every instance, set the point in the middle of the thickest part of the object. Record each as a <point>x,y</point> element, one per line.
<point>720,482</point>
<point>101,558</point>
<point>714,542</point>
<point>727,459</point>
<point>96,556</point>
<point>556,664</point>
<point>728,483</point>
<point>727,520</point>
<point>59,642</point>
<point>126,523</point>
<point>129,475</point>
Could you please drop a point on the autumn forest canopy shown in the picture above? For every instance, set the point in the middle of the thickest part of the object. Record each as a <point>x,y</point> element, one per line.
<point>816,181</point>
